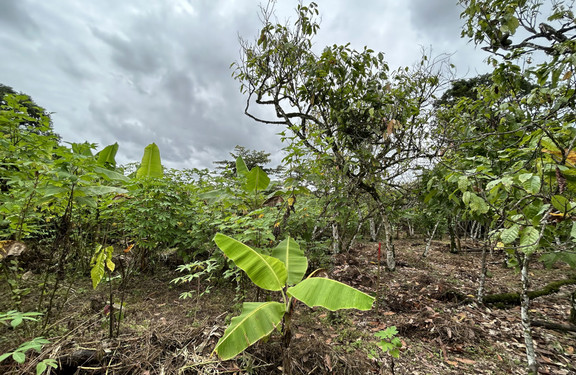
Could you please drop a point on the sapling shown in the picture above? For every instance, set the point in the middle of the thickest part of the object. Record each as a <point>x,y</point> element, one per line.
<point>282,272</point>
<point>390,344</point>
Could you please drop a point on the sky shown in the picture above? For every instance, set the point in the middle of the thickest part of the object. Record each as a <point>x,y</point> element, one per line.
<point>137,72</point>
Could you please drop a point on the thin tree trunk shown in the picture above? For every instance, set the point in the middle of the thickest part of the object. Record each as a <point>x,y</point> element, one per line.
<point>335,239</point>
<point>572,318</point>
<point>373,231</point>
<point>483,271</point>
<point>525,313</point>
<point>390,252</point>
<point>427,248</point>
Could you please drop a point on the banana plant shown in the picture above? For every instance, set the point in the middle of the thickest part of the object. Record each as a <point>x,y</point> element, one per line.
<point>151,165</point>
<point>283,271</point>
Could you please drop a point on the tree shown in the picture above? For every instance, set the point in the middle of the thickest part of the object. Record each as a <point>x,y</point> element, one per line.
<point>346,107</point>
<point>525,175</point>
<point>252,158</point>
<point>36,115</point>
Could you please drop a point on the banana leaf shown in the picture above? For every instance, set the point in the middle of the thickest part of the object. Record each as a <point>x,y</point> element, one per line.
<point>257,180</point>
<point>330,294</point>
<point>258,319</point>
<point>241,168</point>
<point>289,252</point>
<point>151,165</point>
<point>265,271</point>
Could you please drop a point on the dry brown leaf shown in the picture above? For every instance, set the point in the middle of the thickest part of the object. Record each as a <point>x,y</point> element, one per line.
<point>567,76</point>
<point>465,361</point>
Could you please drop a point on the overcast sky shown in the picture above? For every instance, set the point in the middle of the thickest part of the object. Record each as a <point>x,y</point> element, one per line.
<point>137,72</point>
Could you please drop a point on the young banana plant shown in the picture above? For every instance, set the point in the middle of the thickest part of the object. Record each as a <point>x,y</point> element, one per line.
<point>282,272</point>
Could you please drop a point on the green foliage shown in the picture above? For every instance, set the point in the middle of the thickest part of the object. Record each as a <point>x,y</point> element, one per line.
<point>258,320</point>
<point>101,263</point>
<point>19,354</point>
<point>389,343</point>
<point>107,157</point>
<point>151,165</point>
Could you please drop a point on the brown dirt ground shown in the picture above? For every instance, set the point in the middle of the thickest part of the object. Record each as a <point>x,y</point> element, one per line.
<point>428,300</point>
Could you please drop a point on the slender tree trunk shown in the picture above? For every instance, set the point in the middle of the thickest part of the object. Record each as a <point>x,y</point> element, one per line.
<point>454,240</point>
<point>525,313</point>
<point>483,271</point>
<point>388,244</point>
<point>373,231</point>
<point>286,338</point>
<point>572,318</point>
<point>427,248</point>
<point>335,239</point>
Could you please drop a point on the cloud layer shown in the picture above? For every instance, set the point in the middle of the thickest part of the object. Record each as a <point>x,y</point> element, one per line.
<point>138,72</point>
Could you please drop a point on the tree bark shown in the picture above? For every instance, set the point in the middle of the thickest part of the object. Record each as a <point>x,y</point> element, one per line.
<point>515,298</point>
<point>525,314</point>
<point>373,230</point>
<point>427,248</point>
<point>572,318</point>
<point>335,239</point>
<point>483,271</point>
<point>388,244</point>
<point>555,326</point>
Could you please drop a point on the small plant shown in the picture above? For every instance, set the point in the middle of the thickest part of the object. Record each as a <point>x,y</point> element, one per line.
<point>389,343</point>
<point>282,272</point>
<point>102,264</point>
<point>16,318</point>
<point>201,270</point>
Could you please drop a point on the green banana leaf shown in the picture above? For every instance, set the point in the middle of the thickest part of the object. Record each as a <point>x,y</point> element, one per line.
<point>151,165</point>
<point>257,179</point>
<point>258,319</point>
<point>107,157</point>
<point>241,168</point>
<point>289,252</point>
<point>265,271</point>
<point>331,294</point>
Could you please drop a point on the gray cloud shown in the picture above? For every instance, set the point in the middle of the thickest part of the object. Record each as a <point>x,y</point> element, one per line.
<point>141,72</point>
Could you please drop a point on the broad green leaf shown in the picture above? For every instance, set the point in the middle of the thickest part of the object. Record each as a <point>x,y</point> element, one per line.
<point>19,357</point>
<point>560,203</point>
<point>101,190</point>
<point>265,271</point>
<point>509,235</point>
<point>529,240</point>
<point>241,168</point>
<point>258,319</point>
<point>109,264</point>
<point>289,252</point>
<point>257,179</point>
<point>40,368</point>
<point>330,294</point>
<point>101,260</point>
<point>97,271</point>
<point>110,175</point>
<point>463,183</point>
<point>549,145</point>
<point>151,165</point>
<point>532,185</point>
<point>573,231</point>
<point>107,157</point>
<point>525,177</point>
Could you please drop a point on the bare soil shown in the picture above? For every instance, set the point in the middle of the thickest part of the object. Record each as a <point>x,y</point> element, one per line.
<point>430,301</point>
